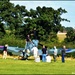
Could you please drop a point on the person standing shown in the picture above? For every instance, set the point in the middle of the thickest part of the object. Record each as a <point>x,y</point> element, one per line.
<point>44,49</point>
<point>63,53</point>
<point>55,53</point>
<point>23,53</point>
<point>35,52</point>
<point>34,32</point>
<point>27,54</point>
<point>28,40</point>
<point>5,51</point>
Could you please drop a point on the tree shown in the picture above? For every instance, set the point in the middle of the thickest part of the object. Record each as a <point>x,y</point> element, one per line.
<point>49,19</point>
<point>12,16</point>
<point>2,31</point>
<point>5,11</point>
<point>21,22</point>
<point>68,29</point>
<point>46,20</point>
<point>70,36</point>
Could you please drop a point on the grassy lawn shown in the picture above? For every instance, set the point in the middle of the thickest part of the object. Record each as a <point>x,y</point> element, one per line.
<point>11,66</point>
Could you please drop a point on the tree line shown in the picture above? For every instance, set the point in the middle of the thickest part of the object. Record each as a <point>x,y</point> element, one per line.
<point>17,20</point>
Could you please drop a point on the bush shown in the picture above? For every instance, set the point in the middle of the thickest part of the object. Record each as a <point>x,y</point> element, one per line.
<point>71,55</point>
<point>11,40</point>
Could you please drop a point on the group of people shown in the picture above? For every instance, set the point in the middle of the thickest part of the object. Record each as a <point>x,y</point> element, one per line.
<point>46,57</point>
<point>63,53</point>
<point>32,45</point>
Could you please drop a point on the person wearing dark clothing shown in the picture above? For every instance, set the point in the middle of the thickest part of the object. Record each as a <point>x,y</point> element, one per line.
<point>23,53</point>
<point>44,53</point>
<point>55,53</point>
<point>35,33</point>
<point>63,53</point>
<point>28,40</point>
<point>5,48</point>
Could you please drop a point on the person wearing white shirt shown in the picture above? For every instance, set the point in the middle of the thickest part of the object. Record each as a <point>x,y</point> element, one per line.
<point>55,53</point>
<point>35,52</point>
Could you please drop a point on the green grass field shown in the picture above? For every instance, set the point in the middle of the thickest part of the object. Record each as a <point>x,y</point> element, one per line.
<point>11,66</point>
<point>15,66</point>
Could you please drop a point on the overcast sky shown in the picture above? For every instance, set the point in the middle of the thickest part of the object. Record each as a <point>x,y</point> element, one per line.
<point>69,6</point>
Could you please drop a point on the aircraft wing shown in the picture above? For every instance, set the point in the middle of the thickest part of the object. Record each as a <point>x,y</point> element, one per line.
<point>16,50</point>
<point>70,50</point>
<point>50,51</point>
<point>1,47</point>
<point>13,50</point>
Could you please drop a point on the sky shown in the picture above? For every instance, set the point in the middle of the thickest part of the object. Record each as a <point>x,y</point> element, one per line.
<point>69,6</point>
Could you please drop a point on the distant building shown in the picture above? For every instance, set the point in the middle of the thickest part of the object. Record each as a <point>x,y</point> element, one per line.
<point>64,32</point>
<point>61,35</point>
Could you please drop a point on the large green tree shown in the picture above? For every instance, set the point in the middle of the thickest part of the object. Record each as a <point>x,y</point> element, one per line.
<point>46,20</point>
<point>5,12</point>
<point>70,36</point>
<point>12,16</point>
<point>20,21</point>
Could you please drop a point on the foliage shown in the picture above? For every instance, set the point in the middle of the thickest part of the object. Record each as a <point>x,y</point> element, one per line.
<point>16,22</point>
<point>1,35</point>
<point>20,21</point>
<point>53,37</point>
<point>68,29</point>
<point>71,55</point>
<point>70,36</point>
<point>12,41</point>
<point>2,30</point>
<point>11,16</point>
